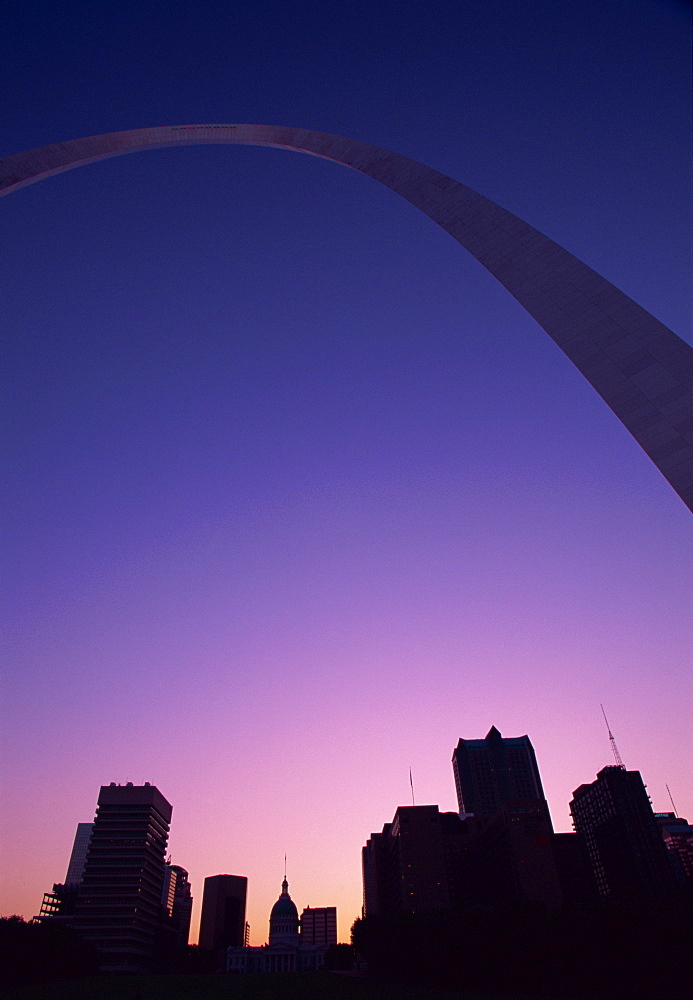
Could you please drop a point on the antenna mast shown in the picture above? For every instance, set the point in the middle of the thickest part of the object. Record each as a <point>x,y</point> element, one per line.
<point>671,799</point>
<point>612,740</point>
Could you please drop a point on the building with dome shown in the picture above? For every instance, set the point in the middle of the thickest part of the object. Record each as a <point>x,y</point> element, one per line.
<point>284,923</point>
<point>285,950</point>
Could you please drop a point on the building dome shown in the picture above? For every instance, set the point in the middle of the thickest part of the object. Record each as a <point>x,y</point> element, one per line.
<point>284,919</point>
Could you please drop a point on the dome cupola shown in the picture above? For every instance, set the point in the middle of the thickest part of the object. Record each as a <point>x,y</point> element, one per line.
<point>284,919</point>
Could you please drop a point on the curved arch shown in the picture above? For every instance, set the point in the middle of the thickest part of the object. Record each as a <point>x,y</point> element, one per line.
<point>642,370</point>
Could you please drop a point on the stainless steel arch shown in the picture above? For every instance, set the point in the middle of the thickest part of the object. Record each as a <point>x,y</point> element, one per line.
<point>642,370</point>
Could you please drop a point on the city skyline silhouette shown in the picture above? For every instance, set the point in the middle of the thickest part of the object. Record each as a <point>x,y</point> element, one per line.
<point>296,495</point>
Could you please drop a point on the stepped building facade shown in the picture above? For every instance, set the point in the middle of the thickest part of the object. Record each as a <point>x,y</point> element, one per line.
<point>119,901</point>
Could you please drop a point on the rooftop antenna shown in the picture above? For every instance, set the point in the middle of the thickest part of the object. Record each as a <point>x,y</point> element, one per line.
<point>411,782</point>
<point>671,799</point>
<point>612,740</point>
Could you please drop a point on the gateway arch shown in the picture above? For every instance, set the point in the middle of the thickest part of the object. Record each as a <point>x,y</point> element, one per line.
<point>641,369</point>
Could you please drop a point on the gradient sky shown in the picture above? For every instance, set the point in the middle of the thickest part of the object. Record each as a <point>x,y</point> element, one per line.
<point>294,493</point>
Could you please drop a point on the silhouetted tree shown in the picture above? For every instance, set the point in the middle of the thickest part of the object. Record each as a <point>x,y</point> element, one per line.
<point>195,961</point>
<point>608,948</point>
<point>42,951</point>
<point>339,957</point>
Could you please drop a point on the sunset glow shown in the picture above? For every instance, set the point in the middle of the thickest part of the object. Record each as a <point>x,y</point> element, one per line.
<point>295,494</point>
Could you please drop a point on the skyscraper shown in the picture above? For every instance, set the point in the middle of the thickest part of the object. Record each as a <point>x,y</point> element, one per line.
<point>119,903</point>
<point>493,771</point>
<point>177,900</point>
<point>376,865</point>
<point>223,913</point>
<point>78,858</point>
<point>419,863</point>
<point>61,902</point>
<point>613,815</point>
<point>677,834</point>
<point>497,780</point>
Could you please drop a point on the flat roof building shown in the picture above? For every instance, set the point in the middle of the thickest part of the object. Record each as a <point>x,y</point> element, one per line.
<point>119,901</point>
<point>614,816</point>
<point>222,923</point>
<point>419,862</point>
<point>319,925</point>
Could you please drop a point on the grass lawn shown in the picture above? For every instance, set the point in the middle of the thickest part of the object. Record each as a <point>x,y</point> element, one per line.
<point>290,986</point>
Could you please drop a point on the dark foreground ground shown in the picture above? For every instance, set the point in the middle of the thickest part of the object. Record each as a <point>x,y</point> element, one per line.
<point>298,986</point>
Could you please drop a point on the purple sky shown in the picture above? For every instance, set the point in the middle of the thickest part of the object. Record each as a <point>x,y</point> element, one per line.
<point>295,495</point>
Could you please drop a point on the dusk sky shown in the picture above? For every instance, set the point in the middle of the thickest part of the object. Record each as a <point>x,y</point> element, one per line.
<point>295,494</point>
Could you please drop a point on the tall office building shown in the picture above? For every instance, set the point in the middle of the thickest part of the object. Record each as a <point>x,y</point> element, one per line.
<point>223,913</point>
<point>497,780</point>
<point>515,853</point>
<point>168,889</point>
<point>420,862</point>
<point>62,900</point>
<point>677,834</point>
<point>176,898</point>
<point>376,865</point>
<point>119,903</point>
<point>614,817</point>
<point>493,771</point>
<point>319,925</point>
<point>78,858</point>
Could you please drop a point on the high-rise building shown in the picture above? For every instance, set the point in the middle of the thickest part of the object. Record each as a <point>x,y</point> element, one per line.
<point>677,834</point>
<point>177,901</point>
<point>78,858</point>
<point>378,873</point>
<point>420,862</point>
<point>319,925</point>
<point>493,771</point>
<point>498,782</point>
<point>614,817</point>
<point>223,914</point>
<point>119,902</point>
<point>62,900</point>
<point>515,853</point>
<point>59,904</point>
<point>168,889</point>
